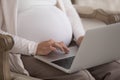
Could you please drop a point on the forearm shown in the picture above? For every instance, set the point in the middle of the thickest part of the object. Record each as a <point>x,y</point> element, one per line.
<point>22,46</point>
<point>74,18</point>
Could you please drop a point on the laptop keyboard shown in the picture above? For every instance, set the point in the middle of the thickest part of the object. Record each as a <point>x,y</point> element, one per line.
<point>65,63</point>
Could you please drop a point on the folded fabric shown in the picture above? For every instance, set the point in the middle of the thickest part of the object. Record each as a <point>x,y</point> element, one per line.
<point>105,16</point>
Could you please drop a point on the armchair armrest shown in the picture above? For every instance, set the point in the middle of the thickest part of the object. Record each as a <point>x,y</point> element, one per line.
<point>6,43</point>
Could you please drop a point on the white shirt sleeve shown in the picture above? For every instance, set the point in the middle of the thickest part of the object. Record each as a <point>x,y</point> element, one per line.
<point>22,46</point>
<point>74,18</point>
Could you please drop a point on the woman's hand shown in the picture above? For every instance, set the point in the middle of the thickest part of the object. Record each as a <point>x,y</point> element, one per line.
<point>45,47</point>
<point>79,40</point>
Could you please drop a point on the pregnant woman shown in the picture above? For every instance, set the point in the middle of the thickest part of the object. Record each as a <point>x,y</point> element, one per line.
<point>39,27</point>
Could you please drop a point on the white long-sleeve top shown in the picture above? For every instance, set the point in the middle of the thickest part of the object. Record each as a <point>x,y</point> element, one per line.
<point>9,10</point>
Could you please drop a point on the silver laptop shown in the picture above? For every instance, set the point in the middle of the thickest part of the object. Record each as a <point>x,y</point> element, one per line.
<point>99,46</point>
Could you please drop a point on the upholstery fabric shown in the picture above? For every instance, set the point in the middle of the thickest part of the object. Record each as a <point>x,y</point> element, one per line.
<point>6,43</point>
<point>107,5</point>
<point>100,14</point>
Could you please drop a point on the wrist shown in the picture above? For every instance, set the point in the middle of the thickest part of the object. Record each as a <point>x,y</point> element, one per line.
<point>33,48</point>
<point>79,40</point>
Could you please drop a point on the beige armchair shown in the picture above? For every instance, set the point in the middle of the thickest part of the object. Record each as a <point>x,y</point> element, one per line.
<point>6,43</point>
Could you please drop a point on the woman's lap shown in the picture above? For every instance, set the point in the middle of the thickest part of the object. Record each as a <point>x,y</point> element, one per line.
<point>36,68</point>
<point>41,70</point>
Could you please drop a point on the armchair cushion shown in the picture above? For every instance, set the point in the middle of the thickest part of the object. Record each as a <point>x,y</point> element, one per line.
<point>100,14</point>
<point>107,5</point>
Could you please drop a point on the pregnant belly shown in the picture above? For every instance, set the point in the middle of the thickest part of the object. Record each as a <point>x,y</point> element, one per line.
<point>42,23</point>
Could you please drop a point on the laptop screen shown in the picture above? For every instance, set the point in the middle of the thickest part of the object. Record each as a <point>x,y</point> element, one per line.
<point>65,63</point>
